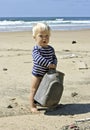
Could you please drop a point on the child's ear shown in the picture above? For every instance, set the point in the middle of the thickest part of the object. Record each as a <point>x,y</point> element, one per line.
<point>33,37</point>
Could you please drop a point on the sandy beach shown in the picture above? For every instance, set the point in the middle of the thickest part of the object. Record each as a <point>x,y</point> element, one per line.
<point>73,53</point>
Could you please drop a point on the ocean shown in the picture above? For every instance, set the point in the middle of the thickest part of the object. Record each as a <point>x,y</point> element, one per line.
<point>11,24</point>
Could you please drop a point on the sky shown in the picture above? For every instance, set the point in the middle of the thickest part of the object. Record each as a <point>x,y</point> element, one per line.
<point>44,8</point>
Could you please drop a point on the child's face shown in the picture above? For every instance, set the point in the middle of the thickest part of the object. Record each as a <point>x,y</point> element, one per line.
<point>42,38</point>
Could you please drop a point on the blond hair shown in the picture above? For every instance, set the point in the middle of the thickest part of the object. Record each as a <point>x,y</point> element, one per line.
<point>40,27</point>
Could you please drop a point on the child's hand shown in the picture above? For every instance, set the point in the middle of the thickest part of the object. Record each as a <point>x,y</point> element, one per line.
<point>52,66</point>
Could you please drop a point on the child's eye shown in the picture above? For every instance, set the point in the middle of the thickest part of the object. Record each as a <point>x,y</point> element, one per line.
<point>40,36</point>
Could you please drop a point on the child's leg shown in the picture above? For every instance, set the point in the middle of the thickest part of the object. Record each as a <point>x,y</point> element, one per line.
<point>34,86</point>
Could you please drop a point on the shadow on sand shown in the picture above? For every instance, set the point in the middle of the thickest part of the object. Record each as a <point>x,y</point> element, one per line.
<point>68,109</point>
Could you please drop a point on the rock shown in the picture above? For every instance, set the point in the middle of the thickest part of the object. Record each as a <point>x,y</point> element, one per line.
<point>5,69</point>
<point>9,106</point>
<point>74,42</point>
<point>74,94</point>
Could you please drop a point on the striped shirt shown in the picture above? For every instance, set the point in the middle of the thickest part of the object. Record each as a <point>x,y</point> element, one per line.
<point>42,58</point>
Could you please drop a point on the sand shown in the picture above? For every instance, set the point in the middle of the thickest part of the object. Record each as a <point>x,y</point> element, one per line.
<point>15,80</point>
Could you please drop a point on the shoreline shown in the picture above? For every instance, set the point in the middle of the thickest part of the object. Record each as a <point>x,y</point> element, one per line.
<point>86,29</point>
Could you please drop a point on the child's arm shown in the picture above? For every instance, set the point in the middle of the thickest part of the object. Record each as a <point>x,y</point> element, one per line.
<point>54,58</point>
<point>53,65</point>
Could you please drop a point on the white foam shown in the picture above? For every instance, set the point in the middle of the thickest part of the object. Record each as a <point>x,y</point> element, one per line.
<point>54,24</point>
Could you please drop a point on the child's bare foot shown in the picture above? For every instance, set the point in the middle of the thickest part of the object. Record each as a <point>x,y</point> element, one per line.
<point>34,110</point>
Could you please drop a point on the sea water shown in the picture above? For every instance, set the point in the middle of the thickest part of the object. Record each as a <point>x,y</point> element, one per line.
<point>9,24</point>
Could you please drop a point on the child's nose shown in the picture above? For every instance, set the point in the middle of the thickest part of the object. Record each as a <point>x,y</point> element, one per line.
<point>44,37</point>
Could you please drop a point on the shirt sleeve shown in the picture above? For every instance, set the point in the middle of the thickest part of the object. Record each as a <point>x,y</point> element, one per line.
<point>54,57</point>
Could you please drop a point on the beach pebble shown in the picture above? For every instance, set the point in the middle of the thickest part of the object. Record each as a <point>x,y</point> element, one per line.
<point>66,50</point>
<point>74,42</point>
<point>13,99</point>
<point>9,106</point>
<point>5,69</point>
<point>74,94</point>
